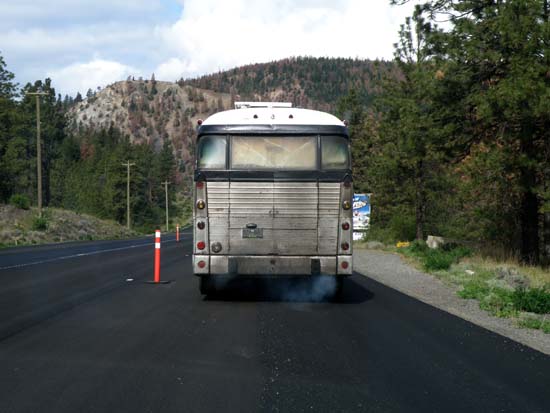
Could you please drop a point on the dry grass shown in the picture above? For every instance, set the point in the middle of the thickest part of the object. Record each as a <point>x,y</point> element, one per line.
<point>537,276</point>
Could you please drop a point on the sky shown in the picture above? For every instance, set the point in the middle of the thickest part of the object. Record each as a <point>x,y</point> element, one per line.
<point>82,44</point>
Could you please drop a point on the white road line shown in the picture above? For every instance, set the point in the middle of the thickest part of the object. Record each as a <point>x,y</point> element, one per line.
<point>82,254</point>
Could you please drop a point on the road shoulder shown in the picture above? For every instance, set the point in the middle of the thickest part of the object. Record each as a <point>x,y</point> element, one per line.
<point>390,270</point>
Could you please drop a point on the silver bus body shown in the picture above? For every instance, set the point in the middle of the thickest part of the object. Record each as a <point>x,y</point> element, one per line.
<point>270,221</point>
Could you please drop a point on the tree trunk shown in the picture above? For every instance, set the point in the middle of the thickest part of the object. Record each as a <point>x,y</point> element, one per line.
<point>529,214</point>
<point>546,235</point>
<point>420,204</point>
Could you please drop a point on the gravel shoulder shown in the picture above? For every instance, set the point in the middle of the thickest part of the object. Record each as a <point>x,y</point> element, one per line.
<point>389,269</point>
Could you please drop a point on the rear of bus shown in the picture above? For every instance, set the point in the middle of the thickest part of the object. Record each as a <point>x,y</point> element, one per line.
<point>273,195</point>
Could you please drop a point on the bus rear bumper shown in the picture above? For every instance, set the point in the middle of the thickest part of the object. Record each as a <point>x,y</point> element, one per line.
<point>259,265</point>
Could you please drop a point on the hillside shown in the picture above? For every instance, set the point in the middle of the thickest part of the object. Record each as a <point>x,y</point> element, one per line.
<point>21,227</point>
<point>149,111</point>
<point>309,82</point>
<point>153,111</point>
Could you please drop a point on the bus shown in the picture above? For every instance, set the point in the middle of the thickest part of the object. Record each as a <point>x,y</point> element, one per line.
<point>272,195</point>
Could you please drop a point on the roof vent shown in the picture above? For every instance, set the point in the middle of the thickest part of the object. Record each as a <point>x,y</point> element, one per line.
<point>246,105</point>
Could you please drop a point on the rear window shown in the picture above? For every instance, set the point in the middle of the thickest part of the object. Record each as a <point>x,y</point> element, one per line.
<point>335,152</point>
<point>282,152</point>
<point>211,152</point>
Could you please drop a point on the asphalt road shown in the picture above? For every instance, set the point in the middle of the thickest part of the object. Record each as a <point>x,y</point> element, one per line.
<point>76,335</point>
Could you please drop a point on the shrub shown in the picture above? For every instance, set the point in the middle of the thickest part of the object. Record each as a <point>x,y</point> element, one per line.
<point>435,260</point>
<point>20,201</point>
<point>498,302</point>
<point>39,224</point>
<point>418,247</point>
<point>474,289</point>
<point>402,227</point>
<point>533,300</point>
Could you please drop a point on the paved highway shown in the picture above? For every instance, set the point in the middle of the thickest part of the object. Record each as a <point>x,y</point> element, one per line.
<point>80,331</point>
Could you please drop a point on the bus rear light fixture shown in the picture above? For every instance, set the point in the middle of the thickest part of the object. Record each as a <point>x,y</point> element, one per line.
<point>201,245</point>
<point>346,205</point>
<point>199,122</point>
<point>201,204</point>
<point>345,246</point>
<point>201,264</point>
<point>344,265</point>
<point>345,226</point>
<point>200,225</point>
<point>216,247</point>
<point>200,185</point>
<point>347,184</point>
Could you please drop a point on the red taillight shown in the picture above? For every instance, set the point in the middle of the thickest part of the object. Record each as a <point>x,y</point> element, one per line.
<point>200,185</point>
<point>344,265</point>
<point>200,225</point>
<point>345,226</point>
<point>345,246</point>
<point>199,122</point>
<point>201,264</point>
<point>201,245</point>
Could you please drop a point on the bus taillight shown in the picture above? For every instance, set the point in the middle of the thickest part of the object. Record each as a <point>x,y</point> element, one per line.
<point>345,226</point>
<point>201,245</point>
<point>200,185</point>
<point>345,246</point>
<point>346,205</point>
<point>201,264</point>
<point>200,225</point>
<point>201,204</point>
<point>344,265</point>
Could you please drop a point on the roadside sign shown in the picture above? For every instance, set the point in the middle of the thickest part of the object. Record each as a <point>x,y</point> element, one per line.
<point>361,212</point>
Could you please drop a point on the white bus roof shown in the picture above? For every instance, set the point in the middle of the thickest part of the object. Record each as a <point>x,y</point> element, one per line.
<point>271,113</point>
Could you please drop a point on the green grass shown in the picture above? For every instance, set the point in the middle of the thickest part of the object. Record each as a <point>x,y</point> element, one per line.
<point>533,300</point>
<point>535,323</point>
<point>435,259</point>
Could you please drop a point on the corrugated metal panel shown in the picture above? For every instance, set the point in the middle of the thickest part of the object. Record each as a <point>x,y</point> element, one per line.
<point>297,218</point>
<point>218,198</point>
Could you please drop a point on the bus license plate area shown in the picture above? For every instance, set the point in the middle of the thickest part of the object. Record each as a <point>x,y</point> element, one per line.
<point>253,233</point>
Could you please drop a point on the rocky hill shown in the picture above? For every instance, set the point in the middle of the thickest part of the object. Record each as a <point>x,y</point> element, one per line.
<point>149,111</point>
<point>153,111</point>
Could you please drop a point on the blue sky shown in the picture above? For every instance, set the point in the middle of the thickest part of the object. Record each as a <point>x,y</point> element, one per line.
<point>83,44</point>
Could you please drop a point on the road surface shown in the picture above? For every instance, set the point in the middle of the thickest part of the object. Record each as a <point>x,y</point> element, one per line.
<point>80,331</point>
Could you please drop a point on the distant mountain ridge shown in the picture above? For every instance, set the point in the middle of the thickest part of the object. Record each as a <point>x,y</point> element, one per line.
<point>153,111</point>
<point>309,82</point>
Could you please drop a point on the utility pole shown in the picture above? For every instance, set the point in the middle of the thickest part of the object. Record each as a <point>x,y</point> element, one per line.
<point>165,183</point>
<point>38,148</point>
<point>128,165</point>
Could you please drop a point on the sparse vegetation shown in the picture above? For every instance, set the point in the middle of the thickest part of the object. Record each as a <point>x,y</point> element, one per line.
<point>40,223</point>
<point>20,201</point>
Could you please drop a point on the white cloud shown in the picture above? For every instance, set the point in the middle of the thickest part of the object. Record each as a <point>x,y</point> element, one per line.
<point>83,76</point>
<point>190,39</point>
<point>217,34</point>
<point>173,69</point>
